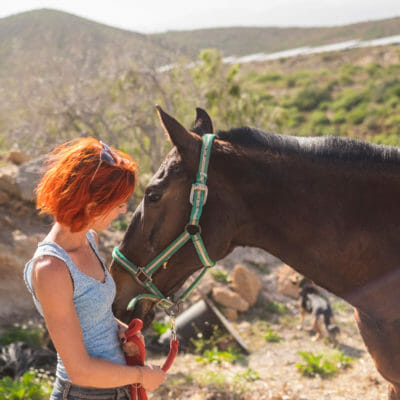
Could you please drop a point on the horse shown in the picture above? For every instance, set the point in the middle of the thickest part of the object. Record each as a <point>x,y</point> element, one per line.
<point>327,206</point>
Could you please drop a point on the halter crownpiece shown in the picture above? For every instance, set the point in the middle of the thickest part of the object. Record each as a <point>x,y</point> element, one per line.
<point>198,197</point>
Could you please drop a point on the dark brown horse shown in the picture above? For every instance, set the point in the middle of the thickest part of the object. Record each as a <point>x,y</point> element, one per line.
<point>329,207</point>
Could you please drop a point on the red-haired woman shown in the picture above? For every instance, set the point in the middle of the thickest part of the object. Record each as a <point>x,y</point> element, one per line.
<point>85,188</point>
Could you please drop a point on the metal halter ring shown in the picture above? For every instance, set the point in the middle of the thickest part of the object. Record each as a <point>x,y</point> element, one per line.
<point>192,229</point>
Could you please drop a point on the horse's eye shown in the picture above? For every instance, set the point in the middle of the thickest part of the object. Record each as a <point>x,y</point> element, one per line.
<point>153,197</point>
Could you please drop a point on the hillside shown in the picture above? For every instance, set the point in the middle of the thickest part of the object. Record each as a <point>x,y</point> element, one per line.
<point>43,41</point>
<point>243,41</point>
<point>46,41</point>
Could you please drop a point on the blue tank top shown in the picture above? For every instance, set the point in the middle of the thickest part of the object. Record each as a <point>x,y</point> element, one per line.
<point>92,301</point>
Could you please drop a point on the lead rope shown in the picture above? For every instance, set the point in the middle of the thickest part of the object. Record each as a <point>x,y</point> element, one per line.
<point>137,390</point>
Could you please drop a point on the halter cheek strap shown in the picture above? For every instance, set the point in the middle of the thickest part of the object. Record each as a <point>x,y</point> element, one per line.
<point>143,275</point>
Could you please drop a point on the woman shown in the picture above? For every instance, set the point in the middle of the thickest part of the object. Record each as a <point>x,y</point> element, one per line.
<point>85,188</point>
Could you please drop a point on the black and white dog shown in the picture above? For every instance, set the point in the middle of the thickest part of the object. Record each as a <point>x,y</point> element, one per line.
<point>313,301</point>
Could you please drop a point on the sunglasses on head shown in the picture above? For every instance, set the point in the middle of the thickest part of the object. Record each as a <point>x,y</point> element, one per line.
<point>106,155</point>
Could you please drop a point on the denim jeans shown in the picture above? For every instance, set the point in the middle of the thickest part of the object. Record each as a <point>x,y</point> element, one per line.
<point>67,391</point>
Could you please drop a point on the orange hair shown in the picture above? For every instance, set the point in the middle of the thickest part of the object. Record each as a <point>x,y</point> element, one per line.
<point>78,186</point>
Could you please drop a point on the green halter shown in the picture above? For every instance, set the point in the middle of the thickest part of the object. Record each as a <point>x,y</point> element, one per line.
<point>198,197</point>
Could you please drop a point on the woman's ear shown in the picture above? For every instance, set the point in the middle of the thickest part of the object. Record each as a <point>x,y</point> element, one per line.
<point>90,207</point>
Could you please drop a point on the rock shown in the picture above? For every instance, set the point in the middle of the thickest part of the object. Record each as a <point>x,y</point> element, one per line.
<point>18,157</point>
<point>27,178</point>
<point>4,198</point>
<point>7,222</point>
<point>288,281</point>
<point>228,298</point>
<point>230,313</point>
<point>246,283</point>
<point>7,182</point>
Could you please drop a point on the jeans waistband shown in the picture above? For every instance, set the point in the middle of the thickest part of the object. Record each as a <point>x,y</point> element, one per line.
<point>72,391</point>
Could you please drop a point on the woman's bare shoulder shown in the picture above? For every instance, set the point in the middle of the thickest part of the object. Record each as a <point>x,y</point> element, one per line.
<point>51,272</point>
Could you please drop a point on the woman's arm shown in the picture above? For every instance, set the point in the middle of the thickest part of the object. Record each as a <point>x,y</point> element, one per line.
<point>53,288</point>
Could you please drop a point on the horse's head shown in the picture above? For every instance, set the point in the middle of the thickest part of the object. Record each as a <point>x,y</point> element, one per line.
<point>164,212</point>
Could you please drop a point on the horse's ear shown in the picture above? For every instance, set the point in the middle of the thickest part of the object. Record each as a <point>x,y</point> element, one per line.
<point>186,142</point>
<point>203,123</point>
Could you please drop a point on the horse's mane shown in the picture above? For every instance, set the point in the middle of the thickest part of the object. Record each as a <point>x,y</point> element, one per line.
<point>328,147</point>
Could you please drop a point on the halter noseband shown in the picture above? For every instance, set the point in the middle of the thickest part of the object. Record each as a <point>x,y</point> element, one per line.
<point>198,197</point>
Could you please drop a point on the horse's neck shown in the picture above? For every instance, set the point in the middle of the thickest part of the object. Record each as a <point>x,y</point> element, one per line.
<point>319,218</point>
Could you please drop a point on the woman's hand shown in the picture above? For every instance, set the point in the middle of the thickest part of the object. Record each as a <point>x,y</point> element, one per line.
<point>129,348</point>
<point>152,377</point>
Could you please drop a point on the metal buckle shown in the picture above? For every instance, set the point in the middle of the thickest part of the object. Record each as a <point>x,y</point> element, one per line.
<point>175,309</point>
<point>201,187</point>
<point>147,278</point>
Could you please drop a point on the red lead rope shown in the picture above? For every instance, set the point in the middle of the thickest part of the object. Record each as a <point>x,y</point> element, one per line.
<point>137,391</point>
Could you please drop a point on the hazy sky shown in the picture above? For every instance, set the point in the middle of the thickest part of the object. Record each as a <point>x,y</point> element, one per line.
<point>161,15</point>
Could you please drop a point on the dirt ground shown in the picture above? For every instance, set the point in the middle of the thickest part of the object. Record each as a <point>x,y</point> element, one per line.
<point>274,363</point>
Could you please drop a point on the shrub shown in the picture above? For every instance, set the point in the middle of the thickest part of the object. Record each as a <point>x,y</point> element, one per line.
<point>358,114</point>
<point>161,327</point>
<point>324,366</point>
<point>272,336</point>
<point>318,118</point>
<point>339,117</point>
<point>29,334</point>
<point>274,307</point>
<point>231,355</point>
<point>374,69</point>
<point>348,99</point>
<point>386,139</point>
<point>29,386</point>
<point>311,96</point>
<point>219,275</point>
<point>270,77</point>
<point>315,365</point>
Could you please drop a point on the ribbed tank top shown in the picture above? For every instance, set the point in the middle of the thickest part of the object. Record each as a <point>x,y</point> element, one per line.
<point>92,301</point>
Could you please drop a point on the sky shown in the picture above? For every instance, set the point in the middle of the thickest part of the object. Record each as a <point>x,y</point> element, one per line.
<point>149,16</point>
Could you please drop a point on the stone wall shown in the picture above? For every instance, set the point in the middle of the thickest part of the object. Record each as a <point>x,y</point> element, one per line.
<point>20,230</point>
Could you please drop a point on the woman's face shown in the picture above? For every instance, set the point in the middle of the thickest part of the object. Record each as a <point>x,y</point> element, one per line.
<point>103,221</point>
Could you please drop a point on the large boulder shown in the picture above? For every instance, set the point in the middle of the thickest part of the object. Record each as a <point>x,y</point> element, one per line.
<point>228,298</point>
<point>246,283</point>
<point>288,281</point>
<point>15,300</point>
<point>18,157</point>
<point>8,187</point>
<point>28,177</point>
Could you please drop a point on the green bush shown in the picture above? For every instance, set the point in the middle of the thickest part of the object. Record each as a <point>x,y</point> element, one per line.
<point>358,114</point>
<point>339,117</point>
<point>311,96</point>
<point>315,365</point>
<point>323,365</point>
<point>22,333</point>
<point>275,307</point>
<point>270,77</point>
<point>161,327</point>
<point>318,118</point>
<point>272,336</point>
<point>231,355</point>
<point>374,69</point>
<point>219,275</point>
<point>29,387</point>
<point>386,139</point>
<point>348,99</point>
